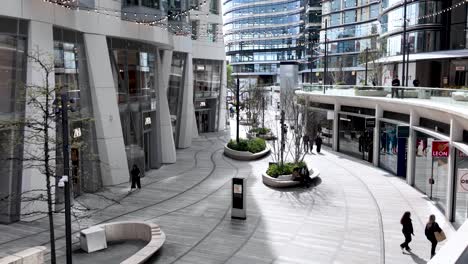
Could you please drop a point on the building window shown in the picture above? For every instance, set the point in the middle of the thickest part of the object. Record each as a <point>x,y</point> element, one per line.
<point>349,16</point>
<point>335,5</point>
<point>195,30</point>
<point>374,11</point>
<point>214,7</point>
<point>335,19</point>
<point>150,3</point>
<point>350,3</point>
<point>211,32</point>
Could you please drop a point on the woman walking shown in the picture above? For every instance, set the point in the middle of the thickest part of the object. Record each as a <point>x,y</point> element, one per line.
<point>135,174</point>
<point>431,228</point>
<point>407,230</point>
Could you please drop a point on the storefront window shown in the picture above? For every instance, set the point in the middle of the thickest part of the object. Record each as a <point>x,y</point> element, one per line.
<point>388,154</point>
<point>318,124</point>
<point>175,91</point>
<point>427,168</point>
<point>354,138</point>
<point>461,195</point>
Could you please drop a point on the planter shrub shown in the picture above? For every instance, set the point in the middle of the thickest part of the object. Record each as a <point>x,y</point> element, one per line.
<point>254,145</point>
<point>260,130</point>
<point>274,170</point>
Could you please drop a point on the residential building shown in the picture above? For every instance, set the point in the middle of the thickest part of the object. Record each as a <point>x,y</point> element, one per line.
<point>312,26</point>
<point>141,82</point>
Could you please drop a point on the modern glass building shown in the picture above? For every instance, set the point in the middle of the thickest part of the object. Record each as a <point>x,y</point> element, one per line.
<point>349,27</point>
<point>436,38</point>
<point>313,22</point>
<point>261,34</point>
<point>142,85</point>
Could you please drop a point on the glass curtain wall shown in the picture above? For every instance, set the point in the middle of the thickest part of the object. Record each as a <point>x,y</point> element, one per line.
<point>207,85</point>
<point>133,66</point>
<point>71,76</point>
<point>318,124</point>
<point>13,50</point>
<point>461,196</point>
<point>427,167</point>
<point>175,91</point>
<point>388,154</point>
<point>354,139</point>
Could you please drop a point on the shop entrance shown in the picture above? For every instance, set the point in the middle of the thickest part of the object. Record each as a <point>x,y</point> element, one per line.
<point>203,118</point>
<point>354,138</point>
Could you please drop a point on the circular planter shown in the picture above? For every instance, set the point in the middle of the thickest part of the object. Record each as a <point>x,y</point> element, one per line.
<point>245,155</point>
<point>269,136</point>
<point>284,181</point>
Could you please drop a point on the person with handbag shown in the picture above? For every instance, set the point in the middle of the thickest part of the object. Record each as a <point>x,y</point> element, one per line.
<point>433,233</point>
<point>407,230</point>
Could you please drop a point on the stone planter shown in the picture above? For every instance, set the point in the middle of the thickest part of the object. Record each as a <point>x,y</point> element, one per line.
<point>371,93</point>
<point>285,181</point>
<point>245,155</point>
<point>268,136</point>
<point>460,96</point>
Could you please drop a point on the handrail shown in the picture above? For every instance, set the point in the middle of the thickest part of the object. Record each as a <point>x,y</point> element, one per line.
<point>370,87</point>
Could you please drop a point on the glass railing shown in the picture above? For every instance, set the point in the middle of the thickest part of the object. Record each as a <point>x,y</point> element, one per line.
<point>420,94</point>
<point>206,94</point>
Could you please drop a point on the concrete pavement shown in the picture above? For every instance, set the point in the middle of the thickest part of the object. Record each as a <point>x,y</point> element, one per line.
<point>352,216</point>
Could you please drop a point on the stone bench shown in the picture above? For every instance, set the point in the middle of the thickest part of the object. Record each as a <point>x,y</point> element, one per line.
<point>284,181</point>
<point>149,232</point>
<point>34,255</point>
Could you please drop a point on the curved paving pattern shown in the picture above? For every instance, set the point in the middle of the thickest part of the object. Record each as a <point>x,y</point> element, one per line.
<point>352,216</point>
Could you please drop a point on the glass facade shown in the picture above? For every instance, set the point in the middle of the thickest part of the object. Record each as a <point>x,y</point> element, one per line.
<point>427,167</point>
<point>71,74</point>
<point>317,123</point>
<point>262,31</point>
<point>354,138</point>
<point>392,150</point>
<point>460,196</point>
<point>175,91</point>
<point>347,19</point>
<point>134,68</point>
<point>13,50</point>
<point>207,85</point>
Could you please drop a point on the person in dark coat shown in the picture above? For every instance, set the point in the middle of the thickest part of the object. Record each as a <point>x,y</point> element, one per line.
<point>431,228</point>
<point>305,140</point>
<point>395,82</point>
<point>318,142</point>
<point>407,230</point>
<point>135,174</point>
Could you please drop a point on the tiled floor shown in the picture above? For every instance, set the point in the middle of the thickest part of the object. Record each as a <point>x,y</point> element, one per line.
<point>351,216</point>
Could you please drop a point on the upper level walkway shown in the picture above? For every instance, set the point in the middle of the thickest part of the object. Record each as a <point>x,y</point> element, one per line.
<point>351,216</point>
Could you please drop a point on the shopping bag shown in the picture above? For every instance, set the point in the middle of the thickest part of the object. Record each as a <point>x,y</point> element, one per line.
<point>440,236</point>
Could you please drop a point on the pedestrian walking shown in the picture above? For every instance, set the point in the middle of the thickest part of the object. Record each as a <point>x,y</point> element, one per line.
<point>318,143</point>
<point>433,233</point>
<point>305,141</point>
<point>407,230</point>
<point>135,174</point>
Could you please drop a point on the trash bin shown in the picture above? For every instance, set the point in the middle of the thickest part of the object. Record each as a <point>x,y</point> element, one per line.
<point>93,239</point>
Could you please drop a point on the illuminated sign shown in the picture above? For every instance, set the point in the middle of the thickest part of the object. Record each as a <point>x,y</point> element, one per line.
<point>440,149</point>
<point>77,132</point>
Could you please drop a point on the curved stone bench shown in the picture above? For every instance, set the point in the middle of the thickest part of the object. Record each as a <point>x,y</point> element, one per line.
<point>149,232</point>
<point>284,181</point>
<point>245,155</point>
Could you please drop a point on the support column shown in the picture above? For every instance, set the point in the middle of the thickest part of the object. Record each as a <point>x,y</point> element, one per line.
<point>376,144</point>
<point>109,136</point>
<point>456,134</point>
<point>411,162</point>
<point>163,120</point>
<point>41,45</point>
<point>222,100</point>
<point>336,121</point>
<point>187,112</point>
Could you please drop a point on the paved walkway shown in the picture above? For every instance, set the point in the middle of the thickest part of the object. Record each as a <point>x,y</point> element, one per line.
<point>352,216</point>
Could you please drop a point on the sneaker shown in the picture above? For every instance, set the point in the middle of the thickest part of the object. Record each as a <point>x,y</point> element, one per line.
<point>408,249</point>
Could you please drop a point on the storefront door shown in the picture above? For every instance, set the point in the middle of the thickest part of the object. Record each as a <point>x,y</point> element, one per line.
<point>202,118</point>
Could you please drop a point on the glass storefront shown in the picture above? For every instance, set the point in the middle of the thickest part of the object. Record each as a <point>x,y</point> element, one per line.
<point>392,150</point>
<point>71,74</point>
<point>13,50</point>
<point>427,168</point>
<point>317,123</point>
<point>207,86</point>
<point>175,91</point>
<point>133,67</point>
<point>460,207</point>
<point>354,138</point>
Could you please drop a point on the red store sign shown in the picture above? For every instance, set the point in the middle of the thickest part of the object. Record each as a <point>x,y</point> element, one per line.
<point>440,149</point>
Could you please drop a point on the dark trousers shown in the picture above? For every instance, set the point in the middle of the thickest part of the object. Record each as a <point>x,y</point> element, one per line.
<point>395,92</point>
<point>136,181</point>
<point>319,147</point>
<point>433,247</point>
<point>405,244</point>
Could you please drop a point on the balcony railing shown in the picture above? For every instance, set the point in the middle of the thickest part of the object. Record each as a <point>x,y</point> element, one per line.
<point>442,97</point>
<point>206,94</point>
